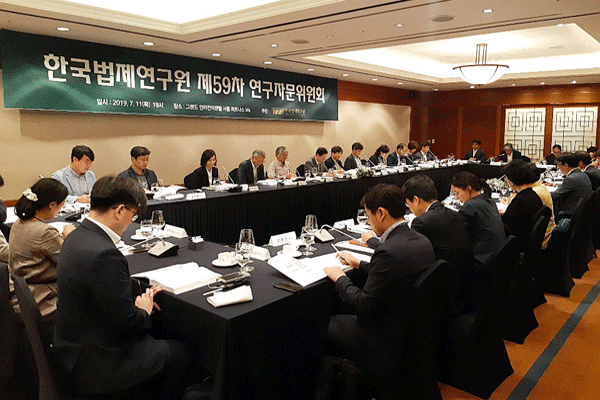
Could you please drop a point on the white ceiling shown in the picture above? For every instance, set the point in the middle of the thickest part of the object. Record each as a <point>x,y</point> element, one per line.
<point>336,37</point>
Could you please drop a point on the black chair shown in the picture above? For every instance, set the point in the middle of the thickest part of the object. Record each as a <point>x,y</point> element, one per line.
<point>554,275</point>
<point>233,176</point>
<point>579,247</point>
<point>8,327</point>
<point>526,159</point>
<point>300,169</point>
<point>473,357</point>
<point>595,210</point>
<point>533,253</point>
<point>5,230</point>
<point>523,295</point>
<point>32,318</point>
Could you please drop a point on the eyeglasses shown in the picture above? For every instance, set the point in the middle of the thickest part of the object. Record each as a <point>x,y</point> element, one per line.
<point>135,214</point>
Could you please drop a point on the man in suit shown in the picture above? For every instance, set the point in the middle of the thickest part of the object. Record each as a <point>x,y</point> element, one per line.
<point>446,231</point>
<point>334,160</point>
<point>476,153</point>
<point>378,333</point>
<point>585,164</point>
<point>102,334</point>
<point>252,170</point>
<point>398,157</point>
<point>77,176</point>
<point>316,164</point>
<point>353,161</point>
<point>509,153</point>
<point>575,186</point>
<point>140,156</point>
<point>552,157</point>
<point>424,154</point>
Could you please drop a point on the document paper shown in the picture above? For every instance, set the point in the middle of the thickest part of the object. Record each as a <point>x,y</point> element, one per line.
<point>180,278</point>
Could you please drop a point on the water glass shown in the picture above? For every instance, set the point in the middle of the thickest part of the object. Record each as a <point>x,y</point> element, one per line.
<point>362,217</point>
<point>307,239</point>
<point>247,236</point>
<point>158,219</point>
<point>310,221</point>
<point>146,230</point>
<point>242,256</point>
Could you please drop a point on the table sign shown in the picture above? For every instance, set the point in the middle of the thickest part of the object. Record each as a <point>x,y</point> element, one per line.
<point>195,196</point>
<point>302,183</point>
<point>329,179</point>
<point>344,223</point>
<point>253,188</point>
<point>175,231</point>
<point>260,253</point>
<point>283,238</point>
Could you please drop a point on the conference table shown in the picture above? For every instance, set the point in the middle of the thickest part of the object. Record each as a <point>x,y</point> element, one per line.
<point>275,209</point>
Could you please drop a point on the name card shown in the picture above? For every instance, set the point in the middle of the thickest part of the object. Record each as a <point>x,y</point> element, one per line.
<point>354,176</point>
<point>344,223</point>
<point>253,188</point>
<point>497,163</point>
<point>329,179</point>
<point>302,183</point>
<point>176,196</point>
<point>260,253</point>
<point>175,231</point>
<point>282,238</point>
<point>195,196</point>
<point>384,172</point>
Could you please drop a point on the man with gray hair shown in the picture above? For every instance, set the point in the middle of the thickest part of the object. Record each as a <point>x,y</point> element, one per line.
<point>252,170</point>
<point>280,167</point>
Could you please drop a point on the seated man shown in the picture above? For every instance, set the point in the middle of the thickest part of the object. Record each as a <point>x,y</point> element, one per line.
<point>476,153</point>
<point>353,161</point>
<point>509,153</point>
<point>412,147</point>
<point>3,242</point>
<point>552,158</point>
<point>398,157</point>
<point>575,186</point>
<point>138,171</point>
<point>280,167</point>
<point>77,176</point>
<point>334,161</point>
<point>252,170</point>
<point>425,154</point>
<point>378,333</point>
<point>591,151</point>
<point>102,331</point>
<point>317,163</point>
<point>585,164</point>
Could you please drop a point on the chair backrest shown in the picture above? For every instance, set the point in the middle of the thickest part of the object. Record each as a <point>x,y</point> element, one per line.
<point>8,326</point>
<point>536,236</point>
<point>234,175</point>
<point>497,273</point>
<point>32,318</point>
<point>300,169</point>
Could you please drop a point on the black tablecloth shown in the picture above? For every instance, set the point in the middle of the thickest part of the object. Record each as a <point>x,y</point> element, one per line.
<point>273,210</point>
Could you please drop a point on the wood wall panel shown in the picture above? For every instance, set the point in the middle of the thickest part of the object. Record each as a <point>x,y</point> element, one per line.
<point>443,127</point>
<point>479,122</point>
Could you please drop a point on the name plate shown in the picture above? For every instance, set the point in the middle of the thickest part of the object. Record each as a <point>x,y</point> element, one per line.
<point>354,176</point>
<point>496,163</point>
<point>282,238</point>
<point>176,196</point>
<point>175,231</point>
<point>302,183</point>
<point>384,172</point>
<point>195,196</point>
<point>329,179</point>
<point>260,253</point>
<point>253,188</point>
<point>344,223</point>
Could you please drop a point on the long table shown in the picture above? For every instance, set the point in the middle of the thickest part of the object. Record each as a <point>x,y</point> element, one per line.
<point>273,210</point>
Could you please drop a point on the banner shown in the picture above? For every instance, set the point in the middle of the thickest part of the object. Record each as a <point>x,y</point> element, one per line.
<point>48,73</point>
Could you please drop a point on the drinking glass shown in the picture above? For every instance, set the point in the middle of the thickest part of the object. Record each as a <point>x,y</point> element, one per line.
<point>307,172</point>
<point>307,238</point>
<point>362,217</point>
<point>247,236</point>
<point>155,187</point>
<point>158,219</point>
<point>146,230</point>
<point>310,223</point>
<point>242,256</point>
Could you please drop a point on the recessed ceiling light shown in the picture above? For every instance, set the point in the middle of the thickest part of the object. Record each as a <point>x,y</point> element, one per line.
<point>574,35</point>
<point>573,82</point>
<point>528,48</point>
<point>513,84</point>
<point>273,45</point>
<point>267,62</point>
<point>471,87</point>
<point>374,79</point>
<point>345,74</point>
<point>542,83</point>
<point>435,90</point>
<point>148,43</point>
<point>559,25</point>
<point>400,83</point>
<point>488,10</point>
<point>587,44</point>
<point>329,37</point>
<point>216,54</point>
<point>399,25</point>
<point>310,69</point>
<point>63,29</point>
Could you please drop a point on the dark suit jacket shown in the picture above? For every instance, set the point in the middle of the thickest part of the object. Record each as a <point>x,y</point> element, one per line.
<point>246,174</point>
<point>149,174</point>
<point>2,212</point>
<point>101,337</point>
<point>419,156</point>
<point>479,156</point>
<point>516,156</point>
<point>382,303</point>
<point>350,163</point>
<point>199,178</point>
<point>518,217</point>
<point>316,166</point>
<point>484,225</point>
<point>330,162</point>
<point>592,173</point>
<point>376,160</point>
<point>576,185</point>
<point>392,159</point>
<point>551,159</point>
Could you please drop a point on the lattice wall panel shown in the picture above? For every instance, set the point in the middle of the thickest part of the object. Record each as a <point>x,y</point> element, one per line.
<point>574,128</point>
<point>524,128</point>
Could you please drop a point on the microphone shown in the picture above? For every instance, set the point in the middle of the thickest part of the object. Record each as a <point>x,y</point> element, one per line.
<point>433,155</point>
<point>230,179</point>
<point>368,159</point>
<point>337,230</point>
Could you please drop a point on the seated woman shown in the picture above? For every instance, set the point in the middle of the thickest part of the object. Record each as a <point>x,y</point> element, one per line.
<point>483,222</point>
<point>380,156</point>
<point>518,217</point>
<point>206,175</point>
<point>3,242</point>
<point>35,245</point>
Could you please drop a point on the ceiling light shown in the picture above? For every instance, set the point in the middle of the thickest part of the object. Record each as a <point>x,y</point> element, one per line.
<point>488,10</point>
<point>63,29</point>
<point>513,84</point>
<point>345,74</point>
<point>435,90</point>
<point>273,45</point>
<point>587,44</point>
<point>559,25</point>
<point>329,37</point>
<point>400,83</point>
<point>374,79</point>
<point>542,83</point>
<point>399,25</point>
<point>310,69</point>
<point>267,62</point>
<point>573,82</point>
<point>148,43</point>
<point>442,18</point>
<point>300,41</point>
<point>216,54</point>
<point>471,87</point>
<point>481,73</point>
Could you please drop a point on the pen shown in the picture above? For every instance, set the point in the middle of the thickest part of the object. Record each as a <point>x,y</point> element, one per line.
<point>337,250</point>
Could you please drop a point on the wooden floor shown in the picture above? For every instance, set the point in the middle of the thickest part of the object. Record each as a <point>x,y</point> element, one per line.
<point>574,371</point>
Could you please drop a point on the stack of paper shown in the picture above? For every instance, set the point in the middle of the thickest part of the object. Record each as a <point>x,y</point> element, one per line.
<point>180,278</point>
